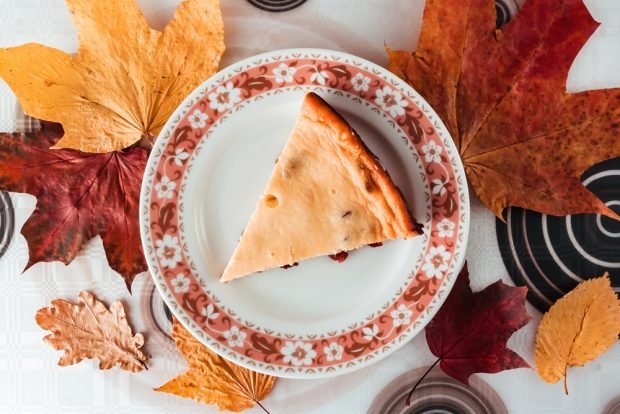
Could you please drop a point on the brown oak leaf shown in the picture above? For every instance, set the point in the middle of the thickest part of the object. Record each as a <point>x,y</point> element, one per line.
<point>79,196</point>
<point>210,379</point>
<point>126,79</point>
<point>523,139</point>
<point>89,330</point>
<point>577,329</point>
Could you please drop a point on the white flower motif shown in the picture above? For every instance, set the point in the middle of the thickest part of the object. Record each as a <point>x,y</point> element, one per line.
<point>370,332</point>
<point>391,100</point>
<point>319,77</point>
<point>432,152</point>
<point>235,337</point>
<point>401,315</point>
<point>224,97</point>
<point>165,187</point>
<point>438,186</point>
<point>298,353</point>
<point>198,119</point>
<point>445,228</point>
<point>180,283</point>
<point>284,73</point>
<point>333,352</point>
<point>209,312</point>
<point>179,156</point>
<point>360,82</point>
<point>436,262</point>
<point>168,251</point>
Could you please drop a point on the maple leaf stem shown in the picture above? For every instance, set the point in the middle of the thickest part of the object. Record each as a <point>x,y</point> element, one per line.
<point>146,141</point>
<point>565,384</point>
<point>261,406</point>
<point>408,400</point>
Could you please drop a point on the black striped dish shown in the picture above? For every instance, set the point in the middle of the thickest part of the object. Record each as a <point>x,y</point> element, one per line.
<point>276,5</point>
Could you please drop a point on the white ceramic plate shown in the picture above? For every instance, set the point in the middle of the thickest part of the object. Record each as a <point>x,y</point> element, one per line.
<point>207,171</point>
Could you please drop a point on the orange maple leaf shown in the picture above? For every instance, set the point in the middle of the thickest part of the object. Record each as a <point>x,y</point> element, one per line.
<point>523,139</point>
<point>126,79</point>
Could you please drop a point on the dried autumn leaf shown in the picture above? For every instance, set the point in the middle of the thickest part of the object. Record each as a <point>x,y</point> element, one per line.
<point>126,79</point>
<point>210,379</point>
<point>89,330</point>
<point>577,329</point>
<point>523,140</point>
<point>470,331</point>
<point>79,196</point>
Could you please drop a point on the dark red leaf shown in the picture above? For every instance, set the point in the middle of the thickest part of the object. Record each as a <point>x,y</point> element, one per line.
<point>79,196</point>
<point>470,331</point>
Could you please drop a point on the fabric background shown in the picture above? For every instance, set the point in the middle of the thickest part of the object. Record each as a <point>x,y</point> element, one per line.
<point>30,381</point>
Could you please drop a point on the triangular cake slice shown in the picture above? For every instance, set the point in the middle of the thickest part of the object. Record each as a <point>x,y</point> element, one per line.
<point>327,194</point>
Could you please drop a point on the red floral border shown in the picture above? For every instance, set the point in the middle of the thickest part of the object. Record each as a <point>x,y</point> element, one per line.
<point>276,352</point>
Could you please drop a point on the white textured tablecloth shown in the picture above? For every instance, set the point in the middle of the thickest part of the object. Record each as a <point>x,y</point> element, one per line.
<point>30,381</point>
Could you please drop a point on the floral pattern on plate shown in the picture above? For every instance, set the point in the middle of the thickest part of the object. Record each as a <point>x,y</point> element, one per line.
<point>334,352</point>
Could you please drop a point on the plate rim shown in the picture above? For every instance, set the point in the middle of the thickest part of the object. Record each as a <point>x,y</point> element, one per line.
<point>464,212</point>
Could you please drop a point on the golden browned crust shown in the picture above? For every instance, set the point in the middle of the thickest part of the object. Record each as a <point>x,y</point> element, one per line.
<point>316,108</point>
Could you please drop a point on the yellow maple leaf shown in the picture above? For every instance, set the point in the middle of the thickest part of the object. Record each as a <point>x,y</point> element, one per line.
<point>577,329</point>
<point>210,379</point>
<point>89,330</point>
<point>126,79</point>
